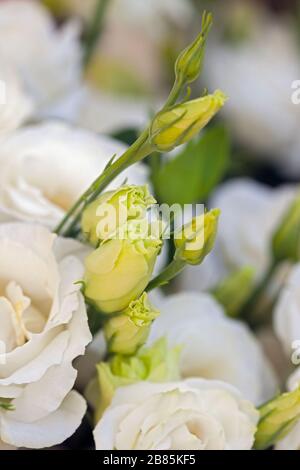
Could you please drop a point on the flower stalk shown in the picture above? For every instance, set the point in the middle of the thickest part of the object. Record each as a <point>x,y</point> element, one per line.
<point>175,124</point>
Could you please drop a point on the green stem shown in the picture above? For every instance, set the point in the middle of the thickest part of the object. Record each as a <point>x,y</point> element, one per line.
<point>96,28</point>
<point>139,150</point>
<point>248,311</point>
<point>171,271</point>
<point>174,94</point>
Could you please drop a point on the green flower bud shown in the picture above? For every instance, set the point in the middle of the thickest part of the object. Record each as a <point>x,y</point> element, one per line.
<point>234,291</point>
<point>195,240</point>
<point>189,63</point>
<point>155,364</point>
<point>277,418</point>
<point>128,331</point>
<point>102,217</point>
<point>182,122</point>
<point>286,240</point>
<point>6,404</point>
<point>120,269</point>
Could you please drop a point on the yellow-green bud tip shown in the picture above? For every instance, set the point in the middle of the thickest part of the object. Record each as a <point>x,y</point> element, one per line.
<point>127,332</point>
<point>184,121</point>
<point>195,240</point>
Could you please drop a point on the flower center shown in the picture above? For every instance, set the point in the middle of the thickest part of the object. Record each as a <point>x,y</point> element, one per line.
<point>18,304</point>
<point>20,319</point>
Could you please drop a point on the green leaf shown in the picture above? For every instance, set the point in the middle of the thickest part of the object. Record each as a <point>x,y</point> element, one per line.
<point>193,173</point>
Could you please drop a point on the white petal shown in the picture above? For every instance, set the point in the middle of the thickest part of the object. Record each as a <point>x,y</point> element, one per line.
<point>49,431</point>
<point>41,398</point>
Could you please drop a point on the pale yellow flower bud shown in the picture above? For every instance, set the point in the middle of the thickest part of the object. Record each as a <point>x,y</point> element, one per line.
<point>102,218</point>
<point>182,122</point>
<point>127,332</point>
<point>277,418</point>
<point>119,270</point>
<point>189,63</point>
<point>196,240</point>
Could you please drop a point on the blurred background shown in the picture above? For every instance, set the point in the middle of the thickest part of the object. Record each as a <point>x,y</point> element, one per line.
<point>253,54</point>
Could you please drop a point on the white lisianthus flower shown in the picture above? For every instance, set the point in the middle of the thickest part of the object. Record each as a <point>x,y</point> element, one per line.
<point>144,15</point>
<point>46,168</point>
<point>260,111</point>
<point>135,13</point>
<point>15,105</point>
<point>213,345</point>
<point>287,314</point>
<point>250,214</point>
<point>43,328</point>
<point>47,58</point>
<point>191,415</point>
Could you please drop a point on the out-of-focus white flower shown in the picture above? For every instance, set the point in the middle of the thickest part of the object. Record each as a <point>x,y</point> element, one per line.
<point>45,168</point>
<point>250,212</point>
<point>152,17</point>
<point>213,345</point>
<point>44,328</point>
<point>135,30</point>
<point>48,59</point>
<point>191,415</point>
<point>109,114</point>
<point>292,440</point>
<point>15,104</point>
<point>287,313</point>
<point>260,110</point>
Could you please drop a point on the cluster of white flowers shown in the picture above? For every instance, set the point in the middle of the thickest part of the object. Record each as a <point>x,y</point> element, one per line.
<point>183,373</point>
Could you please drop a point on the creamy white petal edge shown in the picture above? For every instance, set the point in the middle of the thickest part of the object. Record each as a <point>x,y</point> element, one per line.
<point>45,168</point>
<point>193,414</point>
<point>287,312</point>
<point>213,345</point>
<point>44,328</point>
<point>46,57</point>
<point>15,104</point>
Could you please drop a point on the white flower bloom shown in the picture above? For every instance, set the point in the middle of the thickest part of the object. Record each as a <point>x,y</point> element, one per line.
<point>287,313</point>
<point>109,114</point>
<point>45,168</point>
<point>44,328</point>
<point>150,15</point>
<point>135,30</point>
<point>15,105</point>
<point>213,345</point>
<point>260,110</point>
<point>48,59</point>
<point>191,415</point>
<point>250,212</point>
